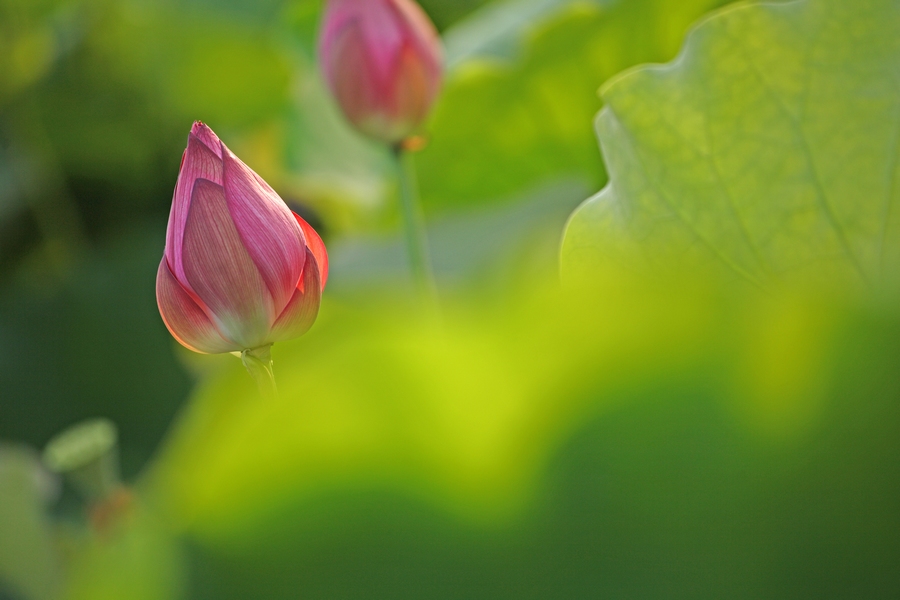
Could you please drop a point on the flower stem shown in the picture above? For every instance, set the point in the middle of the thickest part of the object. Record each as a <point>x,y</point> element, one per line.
<point>414,227</point>
<point>258,363</point>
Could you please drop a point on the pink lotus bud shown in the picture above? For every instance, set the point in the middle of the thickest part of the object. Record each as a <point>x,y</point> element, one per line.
<point>383,62</point>
<point>240,270</point>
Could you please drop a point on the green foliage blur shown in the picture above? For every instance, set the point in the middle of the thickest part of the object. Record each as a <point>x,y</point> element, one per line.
<point>666,365</point>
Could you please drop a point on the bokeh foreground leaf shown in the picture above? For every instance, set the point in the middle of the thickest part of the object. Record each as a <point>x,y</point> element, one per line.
<point>770,147</point>
<point>460,415</point>
<point>464,416</point>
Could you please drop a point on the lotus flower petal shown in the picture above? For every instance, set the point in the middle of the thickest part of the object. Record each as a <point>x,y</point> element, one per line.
<point>198,162</point>
<point>372,24</point>
<point>184,318</point>
<point>267,229</point>
<point>300,313</point>
<point>208,137</point>
<point>411,96</point>
<point>221,272</point>
<point>357,96</point>
<point>317,247</point>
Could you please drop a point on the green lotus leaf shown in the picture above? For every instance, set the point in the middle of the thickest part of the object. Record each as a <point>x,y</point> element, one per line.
<point>769,146</point>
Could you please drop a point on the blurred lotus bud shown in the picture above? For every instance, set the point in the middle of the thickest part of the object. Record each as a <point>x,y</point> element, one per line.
<point>382,60</point>
<point>240,270</point>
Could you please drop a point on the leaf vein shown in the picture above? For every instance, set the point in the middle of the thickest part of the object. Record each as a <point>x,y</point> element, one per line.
<point>892,182</point>
<point>659,190</point>
<point>818,186</point>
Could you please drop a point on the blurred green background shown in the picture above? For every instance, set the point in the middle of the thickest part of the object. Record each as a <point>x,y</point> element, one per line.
<point>707,408</point>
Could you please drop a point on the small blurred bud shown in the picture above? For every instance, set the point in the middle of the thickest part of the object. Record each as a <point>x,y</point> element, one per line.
<point>87,455</point>
<point>382,60</point>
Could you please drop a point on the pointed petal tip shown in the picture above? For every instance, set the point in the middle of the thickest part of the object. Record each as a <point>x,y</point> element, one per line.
<point>197,162</point>
<point>205,134</point>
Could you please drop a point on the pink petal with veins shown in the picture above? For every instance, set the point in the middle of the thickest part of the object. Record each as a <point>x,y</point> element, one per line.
<point>221,272</point>
<point>267,228</point>
<point>300,313</point>
<point>185,320</point>
<point>198,162</point>
<point>316,246</point>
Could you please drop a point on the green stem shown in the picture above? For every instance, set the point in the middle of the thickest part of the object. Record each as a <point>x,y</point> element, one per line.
<point>258,363</point>
<point>414,227</point>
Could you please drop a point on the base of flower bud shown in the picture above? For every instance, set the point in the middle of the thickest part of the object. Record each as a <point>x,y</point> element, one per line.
<point>258,362</point>
<point>413,143</point>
